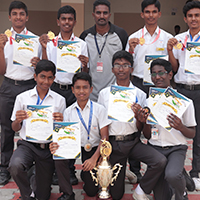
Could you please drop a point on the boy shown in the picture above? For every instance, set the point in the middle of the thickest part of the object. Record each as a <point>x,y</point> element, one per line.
<point>28,152</point>
<point>188,84</point>
<point>89,114</point>
<point>17,79</point>
<point>173,144</point>
<point>124,137</point>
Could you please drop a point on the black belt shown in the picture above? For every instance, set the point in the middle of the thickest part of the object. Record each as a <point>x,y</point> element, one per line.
<point>40,145</point>
<point>62,87</point>
<point>189,87</point>
<point>16,82</point>
<point>124,137</point>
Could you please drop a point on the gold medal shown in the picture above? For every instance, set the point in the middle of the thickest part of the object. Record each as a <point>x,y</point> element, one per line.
<point>29,113</point>
<point>128,105</point>
<point>88,147</point>
<point>8,33</point>
<point>142,41</point>
<point>51,35</point>
<point>178,46</point>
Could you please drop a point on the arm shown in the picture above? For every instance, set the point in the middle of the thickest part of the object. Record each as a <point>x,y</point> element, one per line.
<point>89,164</point>
<point>20,116</point>
<point>174,62</point>
<point>84,61</point>
<point>176,123</point>
<point>3,40</point>
<point>43,41</point>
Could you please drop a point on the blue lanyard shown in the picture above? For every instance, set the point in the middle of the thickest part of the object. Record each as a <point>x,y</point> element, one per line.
<point>100,51</point>
<point>90,119</point>
<point>192,38</point>
<point>38,100</point>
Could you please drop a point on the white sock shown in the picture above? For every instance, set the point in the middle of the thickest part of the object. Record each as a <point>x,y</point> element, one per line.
<point>32,194</point>
<point>184,193</point>
<point>139,190</point>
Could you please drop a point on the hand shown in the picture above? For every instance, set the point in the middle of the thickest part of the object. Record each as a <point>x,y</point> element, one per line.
<point>136,108</point>
<point>58,117</point>
<point>133,42</point>
<point>175,122</point>
<point>89,164</point>
<point>20,116</point>
<point>84,60</point>
<point>34,61</point>
<point>142,115</point>
<point>53,147</point>
<point>3,40</point>
<point>43,40</point>
<point>171,42</point>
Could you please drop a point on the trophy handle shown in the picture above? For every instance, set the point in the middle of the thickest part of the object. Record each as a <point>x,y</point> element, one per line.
<point>116,173</point>
<point>94,178</point>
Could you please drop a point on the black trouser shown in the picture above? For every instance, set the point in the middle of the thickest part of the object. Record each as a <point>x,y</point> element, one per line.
<point>8,93</point>
<point>22,159</point>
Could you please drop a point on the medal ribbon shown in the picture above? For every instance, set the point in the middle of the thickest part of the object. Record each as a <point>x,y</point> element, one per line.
<point>38,100</point>
<point>185,41</point>
<point>11,38</point>
<point>154,39</point>
<point>100,51</point>
<point>90,119</point>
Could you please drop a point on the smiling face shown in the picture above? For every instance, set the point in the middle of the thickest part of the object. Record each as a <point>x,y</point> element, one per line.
<point>82,90</point>
<point>193,18</point>
<point>161,81</point>
<point>151,15</point>
<point>18,18</point>
<point>101,15</point>
<point>66,22</point>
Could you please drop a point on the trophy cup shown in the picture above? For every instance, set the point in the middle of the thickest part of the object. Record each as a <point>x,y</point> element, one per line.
<point>104,172</point>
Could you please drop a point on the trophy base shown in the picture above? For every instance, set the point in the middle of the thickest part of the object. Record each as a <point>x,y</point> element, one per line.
<point>104,195</point>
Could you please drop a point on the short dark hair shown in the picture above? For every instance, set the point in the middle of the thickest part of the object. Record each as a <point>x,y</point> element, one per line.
<point>82,76</point>
<point>66,10</point>
<point>101,2</point>
<point>18,4</point>
<point>146,3</point>
<point>123,54</point>
<point>45,65</point>
<point>166,64</point>
<point>190,5</point>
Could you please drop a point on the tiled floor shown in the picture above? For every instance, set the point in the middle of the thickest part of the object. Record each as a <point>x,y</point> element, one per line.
<point>11,192</point>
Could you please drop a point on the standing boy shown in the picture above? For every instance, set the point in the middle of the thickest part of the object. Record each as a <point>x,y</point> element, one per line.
<point>93,120</point>
<point>17,79</point>
<point>38,152</point>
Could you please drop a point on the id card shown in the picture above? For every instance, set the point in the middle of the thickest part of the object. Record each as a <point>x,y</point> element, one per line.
<point>99,66</point>
<point>154,133</point>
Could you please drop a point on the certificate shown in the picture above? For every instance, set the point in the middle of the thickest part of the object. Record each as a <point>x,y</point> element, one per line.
<point>67,135</point>
<point>148,60</point>
<point>25,48</point>
<point>39,125</point>
<point>192,58</point>
<point>120,101</point>
<point>170,102</point>
<point>67,56</point>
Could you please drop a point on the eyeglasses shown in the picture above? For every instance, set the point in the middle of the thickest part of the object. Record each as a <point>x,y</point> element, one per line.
<point>159,74</point>
<point>124,66</point>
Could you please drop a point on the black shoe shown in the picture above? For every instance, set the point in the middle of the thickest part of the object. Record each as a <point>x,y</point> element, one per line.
<point>73,179</point>
<point>189,181</point>
<point>185,197</point>
<point>65,196</point>
<point>4,177</point>
<point>54,179</point>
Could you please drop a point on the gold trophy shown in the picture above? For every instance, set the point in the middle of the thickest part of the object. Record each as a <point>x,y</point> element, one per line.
<point>104,172</point>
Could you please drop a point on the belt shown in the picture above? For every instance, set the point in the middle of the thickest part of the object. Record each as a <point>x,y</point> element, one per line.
<point>189,87</point>
<point>124,137</point>
<point>160,147</point>
<point>40,145</point>
<point>62,87</point>
<point>16,82</point>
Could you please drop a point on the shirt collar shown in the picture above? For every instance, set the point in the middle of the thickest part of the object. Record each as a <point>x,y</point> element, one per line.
<point>33,92</point>
<point>14,32</point>
<point>75,105</point>
<point>71,38</point>
<point>146,31</point>
<point>188,33</point>
<point>111,30</point>
<point>130,85</point>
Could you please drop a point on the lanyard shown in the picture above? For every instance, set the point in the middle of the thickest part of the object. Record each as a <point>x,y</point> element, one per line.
<point>11,38</point>
<point>38,100</point>
<point>90,119</point>
<point>185,41</point>
<point>154,39</point>
<point>100,51</point>
<point>55,41</point>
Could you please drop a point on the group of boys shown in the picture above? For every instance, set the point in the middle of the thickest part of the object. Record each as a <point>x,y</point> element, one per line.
<point>107,64</point>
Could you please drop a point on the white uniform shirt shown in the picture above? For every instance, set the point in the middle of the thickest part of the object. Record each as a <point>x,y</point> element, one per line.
<point>62,77</point>
<point>30,97</point>
<point>99,120</point>
<point>175,137</point>
<point>13,71</point>
<point>181,76</point>
<point>159,47</point>
<point>121,128</point>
